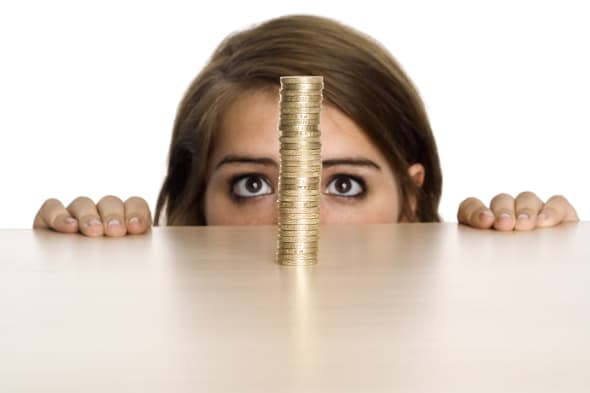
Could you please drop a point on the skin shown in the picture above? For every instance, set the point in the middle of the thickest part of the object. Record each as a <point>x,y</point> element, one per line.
<point>357,184</point>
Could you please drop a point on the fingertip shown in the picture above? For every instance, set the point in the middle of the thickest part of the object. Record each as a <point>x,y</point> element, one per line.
<point>65,224</point>
<point>525,221</point>
<point>483,219</point>
<point>480,219</point>
<point>70,225</point>
<point>137,226</point>
<point>544,220</point>
<point>504,222</point>
<point>91,227</point>
<point>114,227</point>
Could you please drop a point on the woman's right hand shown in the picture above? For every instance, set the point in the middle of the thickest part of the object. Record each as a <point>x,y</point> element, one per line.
<point>109,217</point>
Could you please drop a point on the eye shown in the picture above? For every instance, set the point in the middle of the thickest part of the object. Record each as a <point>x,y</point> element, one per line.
<point>249,186</point>
<point>346,186</point>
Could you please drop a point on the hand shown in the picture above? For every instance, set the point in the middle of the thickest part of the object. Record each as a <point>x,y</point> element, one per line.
<point>524,213</point>
<point>110,216</point>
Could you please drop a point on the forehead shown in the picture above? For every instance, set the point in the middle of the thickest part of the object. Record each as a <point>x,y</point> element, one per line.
<point>249,126</point>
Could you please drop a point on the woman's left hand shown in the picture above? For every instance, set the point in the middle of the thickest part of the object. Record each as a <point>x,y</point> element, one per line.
<point>523,213</point>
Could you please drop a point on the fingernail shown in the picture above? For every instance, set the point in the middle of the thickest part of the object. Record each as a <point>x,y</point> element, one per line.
<point>113,222</point>
<point>133,220</point>
<point>486,214</point>
<point>523,216</point>
<point>504,216</point>
<point>93,222</point>
<point>69,220</point>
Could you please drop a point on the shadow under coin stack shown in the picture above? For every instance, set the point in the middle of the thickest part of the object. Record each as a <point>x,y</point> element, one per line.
<point>300,170</point>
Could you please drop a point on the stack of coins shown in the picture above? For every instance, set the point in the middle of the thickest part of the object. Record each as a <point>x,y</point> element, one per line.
<point>300,170</point>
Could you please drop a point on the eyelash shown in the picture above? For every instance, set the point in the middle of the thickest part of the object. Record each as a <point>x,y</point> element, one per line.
<point>342,176</point>
<point>233,182</point>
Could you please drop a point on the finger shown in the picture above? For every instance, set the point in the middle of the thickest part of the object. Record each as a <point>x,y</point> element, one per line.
<point>527,206</point>
<point>557,209</point>
<point>502,206</point>
<point>53,215</point>
<point>475,213</point>
<point>112,214</point>
<point>84,210</point>
<point>138,215</point>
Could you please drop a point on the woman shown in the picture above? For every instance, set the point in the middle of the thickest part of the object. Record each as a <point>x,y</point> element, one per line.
<point>380,158</point>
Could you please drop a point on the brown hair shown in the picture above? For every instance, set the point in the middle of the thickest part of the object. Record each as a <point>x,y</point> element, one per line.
<point>361,79</point>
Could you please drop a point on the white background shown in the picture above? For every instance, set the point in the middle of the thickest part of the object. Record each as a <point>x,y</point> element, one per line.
<point>89,90</point>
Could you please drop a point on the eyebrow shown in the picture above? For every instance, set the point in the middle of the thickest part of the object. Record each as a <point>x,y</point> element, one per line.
<point>237,159</point>
<point>266,161</point>
<point>350,161</point>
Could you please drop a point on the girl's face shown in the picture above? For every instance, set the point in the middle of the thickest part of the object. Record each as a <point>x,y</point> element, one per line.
<point>357,185</point>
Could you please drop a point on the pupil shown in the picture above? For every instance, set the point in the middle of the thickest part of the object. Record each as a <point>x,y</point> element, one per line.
<point>343,186</point>
<point>253,184</point>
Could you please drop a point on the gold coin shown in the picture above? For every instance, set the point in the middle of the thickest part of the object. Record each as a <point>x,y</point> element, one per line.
<point>312,252</point>
<point>291,189</point>
<point>301,98</point>
<point>297,262</point>
<point>294,224</point>
<point>300,110</point>
<point>298,217</point>
<point>297,258</point>
<point>285,223</point>
<point>292,168</point>
<point>291,173</point>
<point>302,226</point>
<point>289,261</point>
<point>300,247</point>
<point>306,135</point>
<point>299,126</point>
<point>300,139</point>
<point>300,171</point>
<point>296,177</point>
<point>299,177</point>
<point>295,79</point>
<point>299,234</point>
<point>299,129</point>
<point>307,145</point>
<point>301,240</point>
<point>295,164</point>
<point>299,227</point>
<point>299,198</point>
<point>296,126</point>
<point>307,249</point>
<point>311,235</point>
<point>316,153</point>
<point>306,92</point>
<point>302,86</point>
<point>296,186</point>
<point>297,209</point>
<point>292,163</point>
<point>298,205</point>
<point>307,152</point>
<point>296,102</point>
